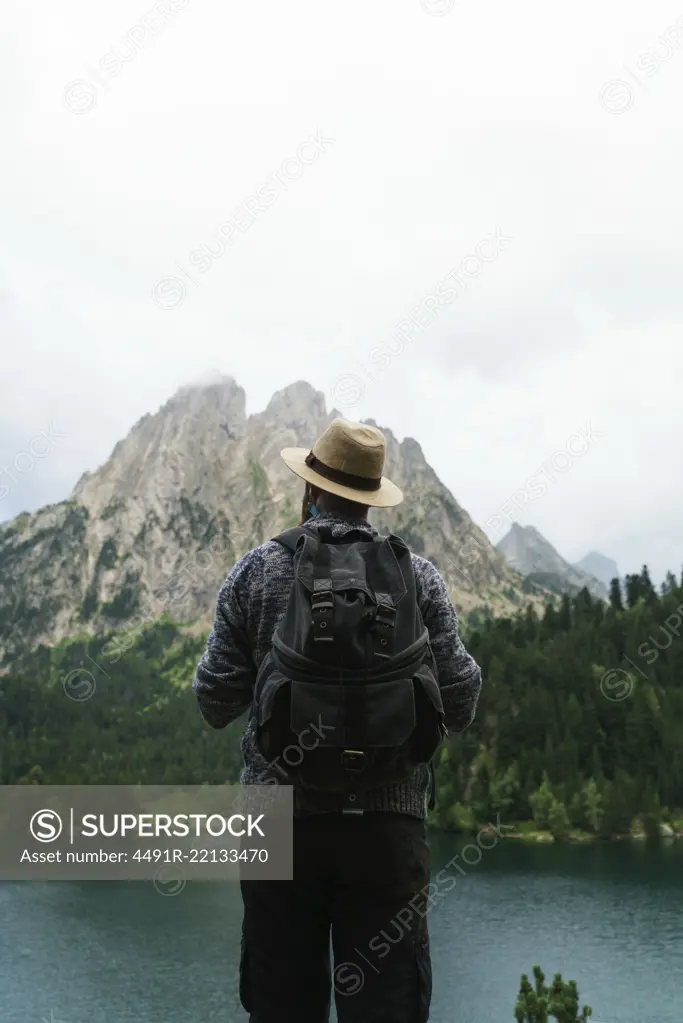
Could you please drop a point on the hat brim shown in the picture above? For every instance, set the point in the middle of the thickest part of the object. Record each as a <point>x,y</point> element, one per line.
<point>388,495</point>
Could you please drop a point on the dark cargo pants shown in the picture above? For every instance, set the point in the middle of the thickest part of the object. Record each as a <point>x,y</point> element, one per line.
<point>363,880</point>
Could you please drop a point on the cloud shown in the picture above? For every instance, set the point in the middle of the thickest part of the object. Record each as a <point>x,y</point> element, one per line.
<point>438,142</point>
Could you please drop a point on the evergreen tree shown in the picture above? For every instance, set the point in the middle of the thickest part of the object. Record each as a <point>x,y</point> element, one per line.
<point>559,824</point>
<point>615,595</point>
<point>634,589</point>
<point>649,593</point>
<point>564,621</point>
<point>669,584</point>
<point>591,807</point>
<point>541,802</point>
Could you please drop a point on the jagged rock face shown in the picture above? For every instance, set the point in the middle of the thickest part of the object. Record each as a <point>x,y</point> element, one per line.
<point>600,567</point>
<point>189,490</point>
<point>527,551</point>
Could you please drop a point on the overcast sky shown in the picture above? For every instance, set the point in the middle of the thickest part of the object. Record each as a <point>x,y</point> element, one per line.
<point>531,150</point>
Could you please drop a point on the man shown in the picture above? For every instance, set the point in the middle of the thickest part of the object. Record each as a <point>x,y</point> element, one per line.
<point>360,877</point>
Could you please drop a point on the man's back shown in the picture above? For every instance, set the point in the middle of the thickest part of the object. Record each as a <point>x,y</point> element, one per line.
<point>250,606</point>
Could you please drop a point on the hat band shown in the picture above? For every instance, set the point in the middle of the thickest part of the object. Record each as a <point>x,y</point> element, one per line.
<point>345,479</point>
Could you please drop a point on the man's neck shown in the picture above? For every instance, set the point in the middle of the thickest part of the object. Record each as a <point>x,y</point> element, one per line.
<point>338,517</point>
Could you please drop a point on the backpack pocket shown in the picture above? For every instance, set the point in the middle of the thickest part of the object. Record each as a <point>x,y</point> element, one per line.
<point>327,736</point>
<point>431,728</point>
<point>362,732</point>
<point>369,716</point>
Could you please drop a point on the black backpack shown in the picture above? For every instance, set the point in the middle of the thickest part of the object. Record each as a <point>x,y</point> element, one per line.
<point>347,698</point>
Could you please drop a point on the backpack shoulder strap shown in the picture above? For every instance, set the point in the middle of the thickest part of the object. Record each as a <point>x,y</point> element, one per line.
<point>289,538</point>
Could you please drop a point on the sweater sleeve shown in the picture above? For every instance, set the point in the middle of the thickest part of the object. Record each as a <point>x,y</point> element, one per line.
<point>225,676</point>
<point>459,675</point>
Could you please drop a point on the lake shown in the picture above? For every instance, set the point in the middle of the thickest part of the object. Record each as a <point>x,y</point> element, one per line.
<point>608,916</point>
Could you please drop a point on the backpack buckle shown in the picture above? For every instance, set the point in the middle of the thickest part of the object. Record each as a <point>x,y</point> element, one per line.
<point>385,620</point>
<point>386,615</point>
<point>322,606</point>
<point>353,760</point>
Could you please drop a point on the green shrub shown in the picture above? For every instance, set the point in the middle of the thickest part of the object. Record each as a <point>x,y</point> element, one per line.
<point>538,1003</point>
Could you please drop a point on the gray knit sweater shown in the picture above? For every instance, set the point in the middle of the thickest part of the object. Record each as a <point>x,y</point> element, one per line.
<point>250,605</point>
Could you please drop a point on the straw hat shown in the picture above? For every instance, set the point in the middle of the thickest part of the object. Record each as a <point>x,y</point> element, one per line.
<point>347,460</point>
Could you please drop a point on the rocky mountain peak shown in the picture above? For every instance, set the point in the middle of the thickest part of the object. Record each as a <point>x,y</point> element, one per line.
<point>411,448</point>
<point>186,493</point>
<point>596,564</point>
<point>528,552</point>
<point>215,391</point>
<point>530,533</point>
<point>296,398</point>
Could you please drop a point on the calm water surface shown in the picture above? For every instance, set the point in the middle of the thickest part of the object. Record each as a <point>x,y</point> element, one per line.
<point>609,916</point>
